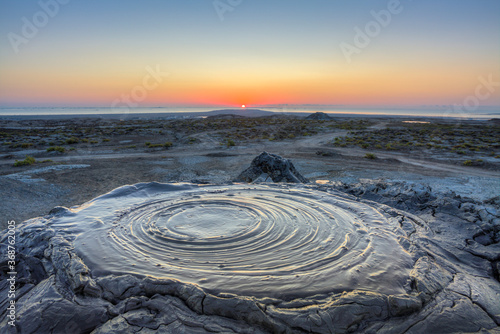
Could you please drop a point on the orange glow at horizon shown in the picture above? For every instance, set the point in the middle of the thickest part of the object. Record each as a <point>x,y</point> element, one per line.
<point>366,84</point>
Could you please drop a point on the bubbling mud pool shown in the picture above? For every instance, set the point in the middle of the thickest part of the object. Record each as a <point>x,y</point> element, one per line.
<point>255,240</point>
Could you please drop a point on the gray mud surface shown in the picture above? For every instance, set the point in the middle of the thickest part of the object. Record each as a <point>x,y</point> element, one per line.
<point>450,273</point>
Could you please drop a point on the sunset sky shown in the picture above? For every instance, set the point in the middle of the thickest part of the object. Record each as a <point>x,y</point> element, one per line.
<point>254,52</point>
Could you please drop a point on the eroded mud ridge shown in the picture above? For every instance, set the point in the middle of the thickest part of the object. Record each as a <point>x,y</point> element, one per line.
<point>183,258</point>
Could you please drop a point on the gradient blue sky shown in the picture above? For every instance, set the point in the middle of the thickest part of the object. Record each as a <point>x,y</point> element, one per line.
<point>263,52</point>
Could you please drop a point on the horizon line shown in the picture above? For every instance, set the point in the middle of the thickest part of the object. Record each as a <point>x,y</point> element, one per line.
<point>247,106</point>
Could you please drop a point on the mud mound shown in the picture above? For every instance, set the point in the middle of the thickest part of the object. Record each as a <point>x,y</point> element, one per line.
<point>276,167</point>
<point>255,259</point>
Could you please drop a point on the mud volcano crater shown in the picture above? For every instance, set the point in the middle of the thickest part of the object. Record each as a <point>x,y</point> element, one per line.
<point>257,258</point>
<point>248,240</point>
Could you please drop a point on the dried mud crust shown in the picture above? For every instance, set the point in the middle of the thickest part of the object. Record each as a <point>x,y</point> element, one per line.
<point>453,285</point>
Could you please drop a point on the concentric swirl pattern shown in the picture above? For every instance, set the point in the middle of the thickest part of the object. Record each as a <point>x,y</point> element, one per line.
<point>249,240</point>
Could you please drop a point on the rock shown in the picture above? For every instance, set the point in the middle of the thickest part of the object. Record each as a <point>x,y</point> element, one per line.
<point>116,288</point>
<point>238,308</point>
<point>342,314</point>
<point>401,305</point>
<point>59,211</point>
<point>481,291</point>
<point>429,278</point>
<point>455,316</point>
<point>166,314</point>
<point>278,168</point>
<point>117,325</point>
<point>92,289</point>
<point>491,252</point>
<point>45,310</point>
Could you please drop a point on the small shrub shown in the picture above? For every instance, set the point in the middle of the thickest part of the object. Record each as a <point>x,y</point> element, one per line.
<point>147,143</point>
<point>468,163</point>
<point>26,145</point>
<point>59,149</point>
<point>230,142</point>
<point>72,140</point>
<point>26,162</point>
<point>168,144</point>
<point>105,140</point>
<point>370,156</point>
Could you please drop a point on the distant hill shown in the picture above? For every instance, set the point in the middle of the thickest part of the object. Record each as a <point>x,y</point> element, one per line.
<point>318,116</point>
<point>224,116</point>
<point>240,112</point>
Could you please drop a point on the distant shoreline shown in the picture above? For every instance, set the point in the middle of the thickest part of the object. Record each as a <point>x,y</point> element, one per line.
<point>238,112</point>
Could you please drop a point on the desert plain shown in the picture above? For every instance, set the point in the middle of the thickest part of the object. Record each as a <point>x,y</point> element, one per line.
<point>79,158</point>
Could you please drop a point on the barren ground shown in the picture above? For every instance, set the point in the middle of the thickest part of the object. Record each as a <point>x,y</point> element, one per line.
<point>103,154</point>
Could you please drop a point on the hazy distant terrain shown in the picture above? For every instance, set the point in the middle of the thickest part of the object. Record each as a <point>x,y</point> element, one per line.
<point>78,159</point>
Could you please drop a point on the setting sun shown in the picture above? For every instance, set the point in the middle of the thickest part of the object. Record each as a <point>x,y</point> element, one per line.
<point>243,106</point>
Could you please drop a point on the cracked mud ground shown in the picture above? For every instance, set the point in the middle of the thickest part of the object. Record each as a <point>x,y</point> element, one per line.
<point>454,287</point>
